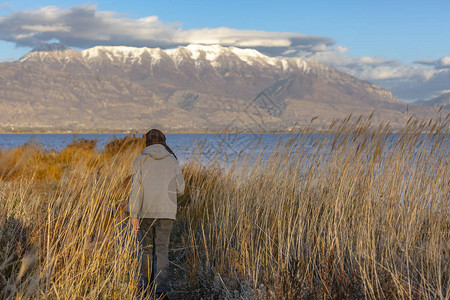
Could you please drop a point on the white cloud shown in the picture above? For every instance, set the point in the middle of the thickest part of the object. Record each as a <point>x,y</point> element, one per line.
<point>83,26</point>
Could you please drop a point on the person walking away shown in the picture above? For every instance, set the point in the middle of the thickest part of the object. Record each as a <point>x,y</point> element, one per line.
<point>157,180</point>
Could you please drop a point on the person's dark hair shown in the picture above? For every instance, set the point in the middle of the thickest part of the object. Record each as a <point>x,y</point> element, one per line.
<point>155,136</point>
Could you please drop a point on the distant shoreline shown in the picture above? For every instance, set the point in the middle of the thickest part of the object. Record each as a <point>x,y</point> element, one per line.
<point>310,128</point>
<point>90,131</point>
<point>101,131</point>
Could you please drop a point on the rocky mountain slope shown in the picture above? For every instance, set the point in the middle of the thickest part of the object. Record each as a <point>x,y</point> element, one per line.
<point>438,102</point>
<point>193,88</point>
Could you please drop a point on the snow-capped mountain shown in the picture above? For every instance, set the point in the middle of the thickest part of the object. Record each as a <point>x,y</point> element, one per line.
<point>216,55</point>
<point>195,87</point>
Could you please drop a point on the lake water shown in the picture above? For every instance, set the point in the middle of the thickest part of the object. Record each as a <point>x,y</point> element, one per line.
<point>52,141</point>
<point>182,144</point>
<point>222,147</point>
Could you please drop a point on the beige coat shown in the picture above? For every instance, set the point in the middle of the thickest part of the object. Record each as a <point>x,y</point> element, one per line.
<point>157,180</point>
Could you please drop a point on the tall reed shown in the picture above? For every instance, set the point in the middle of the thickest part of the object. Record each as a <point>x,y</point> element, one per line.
<point>353,212</point>
<point>64,233</point>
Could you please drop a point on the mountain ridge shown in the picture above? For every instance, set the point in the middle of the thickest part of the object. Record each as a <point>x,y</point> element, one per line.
<point>189,88</point>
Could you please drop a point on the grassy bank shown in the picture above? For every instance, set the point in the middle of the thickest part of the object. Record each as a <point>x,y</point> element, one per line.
<point>370,219</point>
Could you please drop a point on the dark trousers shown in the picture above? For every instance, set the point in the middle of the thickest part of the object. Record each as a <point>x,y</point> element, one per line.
<point>154,239</point>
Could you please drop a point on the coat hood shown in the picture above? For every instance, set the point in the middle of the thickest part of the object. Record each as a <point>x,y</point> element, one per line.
<point>156,151</point>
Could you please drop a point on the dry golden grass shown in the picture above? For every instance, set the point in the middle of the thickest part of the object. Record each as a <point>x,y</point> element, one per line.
<point>62,235</point>
<point>370,219</point>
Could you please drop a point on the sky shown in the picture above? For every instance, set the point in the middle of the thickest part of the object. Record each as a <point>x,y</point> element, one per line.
<point>401,45</point>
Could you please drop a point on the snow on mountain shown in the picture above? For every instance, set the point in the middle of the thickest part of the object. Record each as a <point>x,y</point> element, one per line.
<point>212,54</point>
<point>120,53</point>
<point>215,55</point>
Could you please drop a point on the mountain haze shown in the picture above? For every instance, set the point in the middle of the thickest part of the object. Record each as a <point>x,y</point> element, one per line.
<point>193,88</point>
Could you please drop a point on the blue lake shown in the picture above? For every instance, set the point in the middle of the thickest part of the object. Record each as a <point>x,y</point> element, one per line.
<point>229,145</point>
<point>220,147</point>
<point>175,140</point>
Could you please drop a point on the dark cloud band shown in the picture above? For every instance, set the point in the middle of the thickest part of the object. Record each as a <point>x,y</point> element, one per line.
<point>442,63</point>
